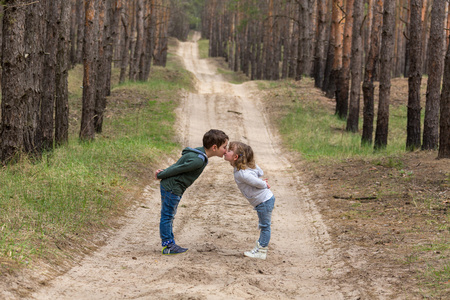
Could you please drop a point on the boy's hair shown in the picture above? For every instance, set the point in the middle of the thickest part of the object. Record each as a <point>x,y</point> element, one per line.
<point>214,137</point>
<point>245,155</point>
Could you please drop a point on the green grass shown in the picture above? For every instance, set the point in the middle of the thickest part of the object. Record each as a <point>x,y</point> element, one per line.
<point>58,201</point>
<point>203,48</point>
<point>311,129</point>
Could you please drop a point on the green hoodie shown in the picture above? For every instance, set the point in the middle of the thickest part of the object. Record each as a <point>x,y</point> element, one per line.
<point>179,176</point>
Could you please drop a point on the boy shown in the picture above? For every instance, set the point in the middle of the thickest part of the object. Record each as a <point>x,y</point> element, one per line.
<point>179,176</point>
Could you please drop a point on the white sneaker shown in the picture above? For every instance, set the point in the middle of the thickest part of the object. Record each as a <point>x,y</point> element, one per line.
<point>257,252</point>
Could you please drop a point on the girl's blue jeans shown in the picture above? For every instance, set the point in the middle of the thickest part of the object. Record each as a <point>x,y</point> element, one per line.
<point>264,211</point>
<point>169,205</point>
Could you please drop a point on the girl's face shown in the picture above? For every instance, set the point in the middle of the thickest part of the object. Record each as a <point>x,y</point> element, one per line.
<point>230,156</point>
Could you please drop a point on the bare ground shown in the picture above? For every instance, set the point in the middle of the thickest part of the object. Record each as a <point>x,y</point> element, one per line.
<point>326,243</point>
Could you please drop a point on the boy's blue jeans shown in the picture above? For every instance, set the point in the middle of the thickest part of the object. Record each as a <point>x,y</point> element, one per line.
<point>264,211</point>
<point>169,205</point>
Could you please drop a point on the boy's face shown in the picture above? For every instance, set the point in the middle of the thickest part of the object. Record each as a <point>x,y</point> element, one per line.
<point>220,151</point>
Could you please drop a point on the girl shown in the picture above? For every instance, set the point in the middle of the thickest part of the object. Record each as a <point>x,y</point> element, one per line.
<point>257,191</point>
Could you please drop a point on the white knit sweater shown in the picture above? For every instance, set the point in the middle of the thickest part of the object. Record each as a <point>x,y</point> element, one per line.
<point>252,187</point>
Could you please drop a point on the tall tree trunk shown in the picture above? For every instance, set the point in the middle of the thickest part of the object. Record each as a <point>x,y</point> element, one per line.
<point>46,126</point>
<point>370,72</point>
<point>337,55</point>
<point>293,46</point>
<point>387,47</point>
<point>139,47</point>
<point>109,42</point>
<point>342,86</point>
<point>319,61</point>
<point>444,122</point>
<point>328,85</point>
<point>415,76</point>
<point>80,30</point>
<point>150,40</point>
<point>73,27</point>
<point>302,46</point>
<point>125,53</point>
<point>90,54</point>
<point>435,67</point>
<point>14,67</point>
<point>62,75</point>
<point>100,96</point>
<point>356,67</point>
<point>34,52</point>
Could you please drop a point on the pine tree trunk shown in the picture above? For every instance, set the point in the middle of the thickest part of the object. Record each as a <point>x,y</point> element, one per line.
<point>80,30</point>
<point>319,61</point>
<point>13,82</point>
<point>415,77</point>
<point>337,48</point>
<point>328,85</point>
<point>46,125</point>
<point>125,54</point>
<point>150,41</point>
<point>100,97</point>
<point>34,50</point>
<point>356,67</point>
<point>386,55</point>
<point>370,72</point>
<point>90,55</point>
<point>343,84</point>
<point>62,75</point>
<point>139,46</point>
<point>444,123</point>
<point>435,67</point>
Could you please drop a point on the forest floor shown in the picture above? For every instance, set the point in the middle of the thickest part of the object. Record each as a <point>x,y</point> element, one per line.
<point>389,218</point>
<point>333,235</point>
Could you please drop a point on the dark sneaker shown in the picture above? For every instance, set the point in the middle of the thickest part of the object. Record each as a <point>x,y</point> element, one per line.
<point>173,249</point>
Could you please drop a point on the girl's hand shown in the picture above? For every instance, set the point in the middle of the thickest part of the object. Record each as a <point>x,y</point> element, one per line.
<point>156,173</point>
<point>267,182</point>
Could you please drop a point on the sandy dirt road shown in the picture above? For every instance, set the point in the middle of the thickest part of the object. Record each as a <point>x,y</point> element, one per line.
<point>215,221</point>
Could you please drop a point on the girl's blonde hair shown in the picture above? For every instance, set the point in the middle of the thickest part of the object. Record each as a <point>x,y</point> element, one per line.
<point>245,155</point>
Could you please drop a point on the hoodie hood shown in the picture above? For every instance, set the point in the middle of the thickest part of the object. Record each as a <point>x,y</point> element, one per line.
<point>200,151</point>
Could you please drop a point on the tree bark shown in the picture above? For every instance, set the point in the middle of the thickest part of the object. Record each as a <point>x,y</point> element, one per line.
<point>387,47</point>
<point>90,54</point>
<point>34,48</point>
<point>100,96</point>
<point>150,40</point>
<point>13,81</point>
<point>415,76</point>
<point>125,54</point>
<point>435,67</point>
<point>46,126</point>
<point>337,55</point>
<point>370,72</point>
<point>342,86</point>
<point>356,67</point>
<point>62,75</point>
<point>444,122</point>
<point>319,60</point>
<point>328,85</point>
<point>139,46</point>
<point>80,30</point>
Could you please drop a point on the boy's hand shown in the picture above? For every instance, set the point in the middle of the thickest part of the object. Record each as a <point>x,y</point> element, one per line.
<point>267,182</point>
<point>156,173</point>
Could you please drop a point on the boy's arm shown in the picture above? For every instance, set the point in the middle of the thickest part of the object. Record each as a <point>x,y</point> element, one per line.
<point>176,169</point>
<point>157,172</point>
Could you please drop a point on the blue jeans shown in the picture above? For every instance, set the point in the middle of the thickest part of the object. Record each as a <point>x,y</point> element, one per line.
<point>169,205</point>
<point>264,211</point>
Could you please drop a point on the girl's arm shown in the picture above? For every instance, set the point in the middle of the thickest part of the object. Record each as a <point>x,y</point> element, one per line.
<point>249,177</point>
